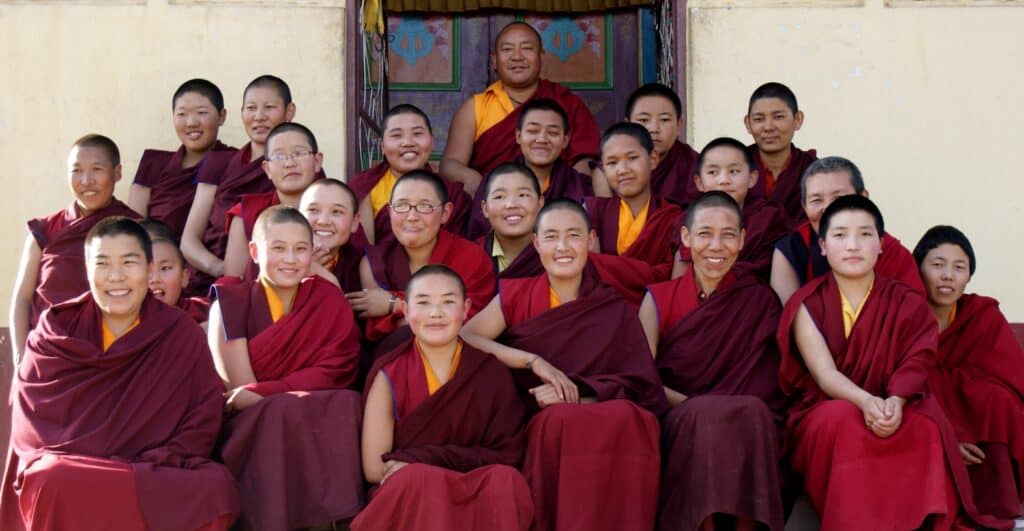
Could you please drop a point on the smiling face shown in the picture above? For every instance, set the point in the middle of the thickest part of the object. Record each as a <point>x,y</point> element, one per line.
<point>517,57</point>
<point>92,176</point>
<point>946,270</point>
<point>715,240</point>
<point>291,162</point>
<point>169,276</point>
<point>772,124</point>
<point>511,205</point>
<point>197,121</point>
<point>852,244</point>
<point>627,165</point>
<point>332,215</point>
<point>284,254</point>
<point>821,190</point>
<point>436,309</point>
<point>562,241</point>
<point>658,115</point>
<point>725,169</point>
<point>262,110</point>
<point>542,137</point>
<point>118,275</point>
<point>414,229</point>
<point>407,143</point>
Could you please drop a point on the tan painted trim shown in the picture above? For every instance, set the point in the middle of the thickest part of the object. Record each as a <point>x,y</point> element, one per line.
<point>954,3</point>
<point>76,2</point>
<point>261,3</point>
<point>707,4</point>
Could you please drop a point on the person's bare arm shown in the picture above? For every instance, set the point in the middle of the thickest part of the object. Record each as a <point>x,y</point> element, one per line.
<point>366,219</point>
<point>783,279</point>
<point>459,149</point>
<point>230,356</point>
<point>481,332</point>
<point>138,199</point>
<point>649,321</point>
<point>21,301</point>
<point>192,238</point>
<point>372,300</point>
<point>378,429</point>
<point>599,182</point>
<point>236,256</point>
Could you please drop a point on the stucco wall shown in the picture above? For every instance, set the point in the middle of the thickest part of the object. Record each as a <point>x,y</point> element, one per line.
<point>926,100</point>
<point>69,68</point>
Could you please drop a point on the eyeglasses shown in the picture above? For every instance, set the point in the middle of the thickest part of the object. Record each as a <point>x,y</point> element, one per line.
<point>405,208</point>
<point>297,155</point>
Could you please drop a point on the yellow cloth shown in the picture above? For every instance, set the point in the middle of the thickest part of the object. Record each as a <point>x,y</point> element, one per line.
<point>553,299</point>
<point>380,196</point>
<point>490,107</point>
<point>108,336</point>
<point>952,315</point>
<point>273,301</point>
<point>630,227</point>
<point>499,253</point>
<point>850,314</point>
<point>433,383</point>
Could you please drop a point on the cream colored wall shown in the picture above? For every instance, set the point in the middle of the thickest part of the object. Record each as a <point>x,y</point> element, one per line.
<point>73,68</point>
<point>926,100</point>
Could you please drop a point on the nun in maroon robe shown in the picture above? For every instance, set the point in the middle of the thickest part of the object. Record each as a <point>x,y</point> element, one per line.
<point>565,183</point>
<point>786,190</point>
<point>116,439</point>
<point>61,240</point>
<point>803,252</point>
<point>497,145</point>
<point>171,187</point>
<point>589,466</point>
<point>720,445</point>
<point>362,183</point>
<point>979,382</point>
<point>197,308</point>
<point>296,452</point>
<point>390,266</point>
<point>764,223</point>
<point>673,177</point>
<point>914,477</point>
<point>462,444</point>
<point>658,241</point>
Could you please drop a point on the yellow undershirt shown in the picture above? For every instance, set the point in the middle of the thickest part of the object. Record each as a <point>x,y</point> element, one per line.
<point>850,314</point>
<point>108,336</point>
<point>273,301</point>
<point>952,315</point>
<point>490,107</point>
<point>499,253</point>
<point>433,383</point>
<point>380,195</point>
<point>630,227</point>
<point>553,300</point>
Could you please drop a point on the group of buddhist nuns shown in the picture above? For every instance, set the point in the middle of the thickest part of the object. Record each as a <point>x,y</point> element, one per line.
<point>558,329</point>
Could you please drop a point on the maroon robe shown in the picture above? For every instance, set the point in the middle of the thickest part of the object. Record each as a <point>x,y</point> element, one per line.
<point>390,266</point>
<point>854,478</point>
<point>249,209</point>
<point>565,183</point>
<point>979,382</point>
<point>803,252</point>
<point>673,177</point>
<point>61,240</point>
<point>603,457</point>
<point>462,443</point>
<point>171,187</point>
<point>137,422</point>
<point>234,174</point>
<point>786,191</point>
<point>764,224</point>
<point>497,145</point>
<point>362,183</point>
<point>346,268</point>
<point>290,475</point>
<point>198,308</point>
<point>720,353</point>
<point>658,241</point>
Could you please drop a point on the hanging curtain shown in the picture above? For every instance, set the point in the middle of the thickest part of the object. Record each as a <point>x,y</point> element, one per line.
<point>541,6</point>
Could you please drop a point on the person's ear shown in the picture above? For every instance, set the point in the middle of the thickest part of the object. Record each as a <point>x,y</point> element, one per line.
<point>318,160</point>
<point>746,124</point>
<point>699,183</point>
<point>266,167</point>
<point>519,137</point>
<point>743,237</point>
<point>184,276</point>
<point>798,120</point>
<point>222,117</point>
<point>654,158</point>
<point>754,175</point>
<point>254,252</point>
<point>466,306</point>
<point>865,193</point>
<point>684,236</point>
<point>289,112</point>
<point>117,173</point>
<point>446,212</point>
<point>354,226</point>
